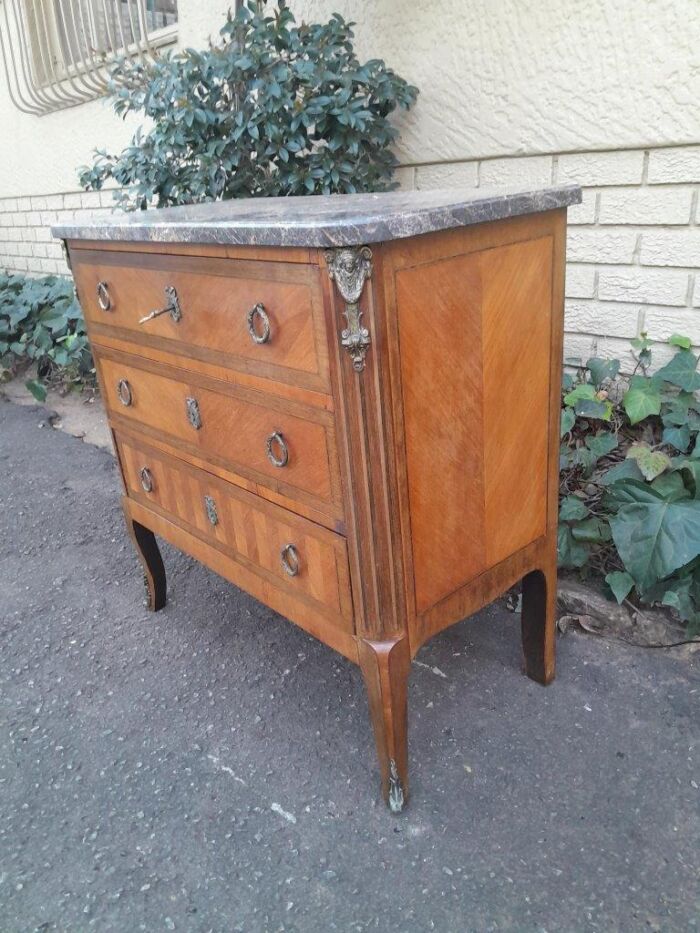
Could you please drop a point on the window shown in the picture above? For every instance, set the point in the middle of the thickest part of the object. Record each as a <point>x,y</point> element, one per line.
<point>57,53</point>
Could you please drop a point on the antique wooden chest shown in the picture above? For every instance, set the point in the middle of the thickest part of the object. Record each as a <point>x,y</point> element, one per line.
<point>346,406</point>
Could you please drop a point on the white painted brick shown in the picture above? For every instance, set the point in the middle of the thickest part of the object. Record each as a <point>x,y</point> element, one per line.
<point>602,318</point>
<point>580,281</point>
<point>73,200</point>
<point>43,234</point>
<point>24,204</point>
<point>601,168</point>
<point>644,285</point>
<point>696,292</point>
<point>90,199</point>
<point>9,204</point>
<point>54,202</point>
<point>529,170</point>
<point>649,206</point>
<point>662,322</point>
<point>39,204</point>
<point>601,244</point>
<point>679,247</point>
<point>46,218</point>
<point>681,164</point>
<point>579,347</point>
<point>447,175</point>
<point>583,213</point>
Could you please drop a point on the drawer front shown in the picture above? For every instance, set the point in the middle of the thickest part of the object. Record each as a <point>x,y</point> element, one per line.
<point>260,439</point>
<point>288,550</point>
<point>265,317</point>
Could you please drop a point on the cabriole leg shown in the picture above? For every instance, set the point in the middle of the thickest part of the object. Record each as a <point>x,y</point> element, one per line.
<point>153,569</point>
<point>539,623</point>
<point>385,666</point>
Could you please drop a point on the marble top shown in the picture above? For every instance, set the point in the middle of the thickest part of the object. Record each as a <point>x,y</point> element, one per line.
<point>318,221</point>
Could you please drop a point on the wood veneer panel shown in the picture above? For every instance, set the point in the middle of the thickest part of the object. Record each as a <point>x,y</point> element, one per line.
<point>233,429</point>
<point>439,319</point>
<point>216,557</point>
<point>517,315</point>
<point>256,530</point>
<point>215,296</point>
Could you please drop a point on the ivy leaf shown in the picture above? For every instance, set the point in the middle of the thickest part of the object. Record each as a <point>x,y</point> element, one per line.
<point>643,398</point>
<point>591,531</point>
<point>602,443</point>
<point>570,553</point>
<point>681,371</point>
<point>628,469</point>
<point>568,420</point>
<point>652,463</point>
<point>655,538</point>
<point>601,370</point>
<point>38,389</point>
<point>678,340</point>
<point>572,509</point>
<point>620,582</point>
<point>671,486</point>
<point>678,437</point>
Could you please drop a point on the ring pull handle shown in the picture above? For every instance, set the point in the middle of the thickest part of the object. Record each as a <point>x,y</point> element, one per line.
<point>277,450</point>
<point>103,299</point>
<point>258,314</point>
<point>124,392</point>
<point>193,414</point>
<point>146,479</point>
<point>210,507</point>
<point>290,560</point>
<point>172,307</point>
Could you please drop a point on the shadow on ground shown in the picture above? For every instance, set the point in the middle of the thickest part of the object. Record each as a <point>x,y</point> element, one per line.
<point>211,768</point>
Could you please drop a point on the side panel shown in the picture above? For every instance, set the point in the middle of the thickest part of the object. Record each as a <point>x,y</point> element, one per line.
<point>474,319</point>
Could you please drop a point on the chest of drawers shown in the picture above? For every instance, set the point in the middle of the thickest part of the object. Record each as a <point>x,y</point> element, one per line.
<point>346,406</point>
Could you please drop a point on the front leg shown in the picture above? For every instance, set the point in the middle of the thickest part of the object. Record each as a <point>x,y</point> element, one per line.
<point>385,666</point>
<point>149,555</point>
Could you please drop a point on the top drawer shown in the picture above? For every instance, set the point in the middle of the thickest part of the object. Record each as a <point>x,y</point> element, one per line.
<point>260,317</point>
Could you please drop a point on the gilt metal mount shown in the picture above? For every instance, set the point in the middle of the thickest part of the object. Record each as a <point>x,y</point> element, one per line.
<point>397,798</point>
<point>349,268</point>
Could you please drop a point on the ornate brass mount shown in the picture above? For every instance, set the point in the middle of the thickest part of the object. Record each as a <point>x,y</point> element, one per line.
<point>397,797</point>
<point>193,415</point>
<point>210,507</point>
<point>172,307</point>
<point>349,268</point>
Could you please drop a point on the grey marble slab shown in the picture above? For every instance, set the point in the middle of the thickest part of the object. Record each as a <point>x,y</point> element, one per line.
<point>336,220</point>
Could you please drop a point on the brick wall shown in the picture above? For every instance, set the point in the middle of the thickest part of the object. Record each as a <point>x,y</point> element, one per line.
<point>633,244</point>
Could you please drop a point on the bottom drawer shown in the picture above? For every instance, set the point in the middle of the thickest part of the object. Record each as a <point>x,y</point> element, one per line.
<point>292,552</point>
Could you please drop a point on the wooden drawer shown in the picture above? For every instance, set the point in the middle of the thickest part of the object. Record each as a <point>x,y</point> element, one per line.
<point>215,298</point>
<point>288,550</point>
<point>233,427</point>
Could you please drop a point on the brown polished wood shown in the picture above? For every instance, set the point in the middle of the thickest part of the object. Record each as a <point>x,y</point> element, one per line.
<point>415,482</point>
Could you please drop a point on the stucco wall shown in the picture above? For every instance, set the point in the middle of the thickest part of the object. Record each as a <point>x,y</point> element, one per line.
<point>600,91</point>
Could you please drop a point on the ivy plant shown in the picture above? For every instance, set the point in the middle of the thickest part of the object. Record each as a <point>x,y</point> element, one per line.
<point>273,108</point>
<point>41,322</point>
<point>630,478</point>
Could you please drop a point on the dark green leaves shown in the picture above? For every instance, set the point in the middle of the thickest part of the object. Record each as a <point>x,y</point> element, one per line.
<point>643,398</point>
<point>681,371</point>
<point>274,108</point>
<point>41,323</point>
<point>655,537</point>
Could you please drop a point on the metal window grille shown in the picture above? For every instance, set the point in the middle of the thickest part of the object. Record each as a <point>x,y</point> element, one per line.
<point>57,53</point>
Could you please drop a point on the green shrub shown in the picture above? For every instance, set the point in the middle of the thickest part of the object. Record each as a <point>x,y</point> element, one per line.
<point>630,479</point>
<point>41,322</point>
<point>275,108</point>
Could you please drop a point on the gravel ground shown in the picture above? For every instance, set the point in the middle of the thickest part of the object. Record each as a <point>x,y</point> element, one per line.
<point>211,767</point>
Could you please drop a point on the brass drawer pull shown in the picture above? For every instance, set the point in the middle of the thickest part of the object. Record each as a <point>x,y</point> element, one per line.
<point>103,299</point>
<point>210,506</point>
<point>124,392</point>
<point>193,415</point>
<point>290,560</point>
<point>276,442</point>
<point>258,313</point>
<point>146,479</point>
<point>172,307</point>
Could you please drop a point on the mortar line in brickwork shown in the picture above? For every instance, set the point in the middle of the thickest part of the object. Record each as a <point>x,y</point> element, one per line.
<point>694,209</point>
<point>555,168</point>
<point>645,167</point>
<point>691,288</point>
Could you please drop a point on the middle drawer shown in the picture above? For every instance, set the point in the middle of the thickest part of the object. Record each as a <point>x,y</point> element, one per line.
<point>260,437</point>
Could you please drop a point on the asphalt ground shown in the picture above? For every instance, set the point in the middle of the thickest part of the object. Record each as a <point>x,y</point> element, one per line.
<point>211,767</point>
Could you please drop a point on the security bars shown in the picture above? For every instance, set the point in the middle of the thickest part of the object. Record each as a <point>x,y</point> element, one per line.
<point>57,53</point>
